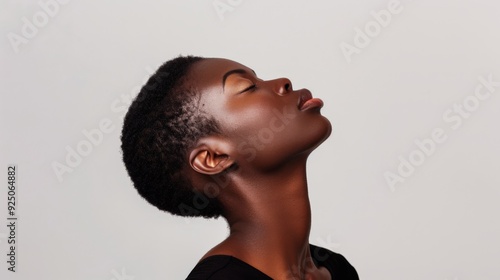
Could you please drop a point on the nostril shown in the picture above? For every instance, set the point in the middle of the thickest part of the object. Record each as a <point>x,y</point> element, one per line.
<point>283,86</point>
<point>288,87</point>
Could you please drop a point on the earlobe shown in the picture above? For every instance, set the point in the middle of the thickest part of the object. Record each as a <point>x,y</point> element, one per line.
<point>208,161</point>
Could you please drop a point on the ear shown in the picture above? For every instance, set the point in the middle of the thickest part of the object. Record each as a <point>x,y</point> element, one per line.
<point>210,156</point>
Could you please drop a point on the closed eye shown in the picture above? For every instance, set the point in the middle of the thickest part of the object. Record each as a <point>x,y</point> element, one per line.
<point>250,88</point>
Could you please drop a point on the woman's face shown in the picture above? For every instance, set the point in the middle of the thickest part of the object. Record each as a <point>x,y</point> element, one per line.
<point>266,122</point>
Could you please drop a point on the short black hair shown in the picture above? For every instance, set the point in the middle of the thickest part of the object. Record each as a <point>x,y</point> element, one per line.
<point>163,121</point>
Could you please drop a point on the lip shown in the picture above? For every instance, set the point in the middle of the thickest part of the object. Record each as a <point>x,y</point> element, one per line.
<point>306,101</point>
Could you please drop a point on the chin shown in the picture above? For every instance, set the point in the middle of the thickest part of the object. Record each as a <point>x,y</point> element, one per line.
<point>321,130</point>
<point>329,129</point>
<point>326,131</point>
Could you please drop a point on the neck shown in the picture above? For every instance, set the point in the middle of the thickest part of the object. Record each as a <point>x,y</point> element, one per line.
<point>271,221</point>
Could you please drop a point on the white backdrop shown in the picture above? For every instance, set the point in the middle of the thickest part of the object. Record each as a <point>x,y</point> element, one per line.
<point>408,85</point>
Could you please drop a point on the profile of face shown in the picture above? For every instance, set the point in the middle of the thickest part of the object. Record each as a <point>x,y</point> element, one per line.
<point>263,123</point>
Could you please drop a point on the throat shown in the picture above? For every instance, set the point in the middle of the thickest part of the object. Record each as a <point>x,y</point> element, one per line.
<point>269,220</point>
<point>273,233</point>
<point>275,241</point>
<point>274,213</point>
<point>275,222</point>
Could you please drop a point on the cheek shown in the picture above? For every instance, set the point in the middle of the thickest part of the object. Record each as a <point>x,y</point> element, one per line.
<point>265,121</point>
<point>266,138</point>
<point>251,115</point>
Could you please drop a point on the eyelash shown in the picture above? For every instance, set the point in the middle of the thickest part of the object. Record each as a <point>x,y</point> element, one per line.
<point>250,88</point>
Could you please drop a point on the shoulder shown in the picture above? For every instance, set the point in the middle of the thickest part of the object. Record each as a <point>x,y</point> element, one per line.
<point>223,267</point>
<point>337,265</point>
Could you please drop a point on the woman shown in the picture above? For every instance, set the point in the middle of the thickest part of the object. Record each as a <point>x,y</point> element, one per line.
<point>207,137</point>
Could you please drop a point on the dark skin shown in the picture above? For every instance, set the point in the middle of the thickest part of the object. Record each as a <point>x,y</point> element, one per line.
<point>261,154</point>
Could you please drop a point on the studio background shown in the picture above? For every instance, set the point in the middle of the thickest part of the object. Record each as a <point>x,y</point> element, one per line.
<point>75,70</point>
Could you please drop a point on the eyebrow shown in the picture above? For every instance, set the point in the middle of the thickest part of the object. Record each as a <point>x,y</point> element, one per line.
<point>234,71</point>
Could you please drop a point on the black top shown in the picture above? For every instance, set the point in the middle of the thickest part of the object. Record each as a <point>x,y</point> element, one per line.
<point>224,267</point>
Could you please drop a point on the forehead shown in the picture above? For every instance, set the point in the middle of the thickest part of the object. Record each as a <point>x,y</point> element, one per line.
<point>209,72</point>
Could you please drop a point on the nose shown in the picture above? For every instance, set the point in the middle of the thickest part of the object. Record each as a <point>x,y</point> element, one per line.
<point>282,86</point>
